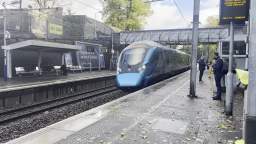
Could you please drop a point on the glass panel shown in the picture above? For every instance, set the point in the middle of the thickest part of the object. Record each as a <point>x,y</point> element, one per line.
<point>133,56</point>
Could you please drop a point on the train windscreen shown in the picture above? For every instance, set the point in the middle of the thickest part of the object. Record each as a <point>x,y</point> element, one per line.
<point>132,60</point>
<point>133,57</point>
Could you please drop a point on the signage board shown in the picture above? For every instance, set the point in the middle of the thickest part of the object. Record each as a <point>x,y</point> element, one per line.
<point>235,11</point>
<point>55,29</point>
<point>47,23</point>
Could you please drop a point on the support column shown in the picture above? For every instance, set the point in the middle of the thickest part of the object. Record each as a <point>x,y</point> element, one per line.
<point>247,46</point>
<point>39,62</point>
<point>5,51</point>
<point>220,49</point>
<point>9,64</point>
<point>229,88</point>
<point>63,59</point>
<point>99,65</point>
<point>250,116</point>
<point>112,52</point>
<point>192,91</point>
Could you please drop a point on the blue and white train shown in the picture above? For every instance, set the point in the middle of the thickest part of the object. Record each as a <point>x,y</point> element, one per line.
<point>145,62</point>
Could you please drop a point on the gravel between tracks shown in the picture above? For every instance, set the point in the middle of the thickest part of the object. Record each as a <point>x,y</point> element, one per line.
<point>15,129</point>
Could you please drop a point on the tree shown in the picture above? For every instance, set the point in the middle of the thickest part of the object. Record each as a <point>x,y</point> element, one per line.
<point>126,14</point>
<point>44,3</point>
<point>212,21</point>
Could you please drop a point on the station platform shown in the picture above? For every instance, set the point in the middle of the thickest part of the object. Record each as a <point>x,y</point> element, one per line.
<point>159,114</point>
<point>37,81</point>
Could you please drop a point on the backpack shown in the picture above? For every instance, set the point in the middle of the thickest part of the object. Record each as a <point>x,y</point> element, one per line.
<point>224,68</point>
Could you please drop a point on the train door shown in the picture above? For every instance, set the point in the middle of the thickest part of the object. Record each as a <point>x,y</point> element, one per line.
<point>163,61</point>
<point>154,62</point>
<point>173,58</point>
<point>168,65</point>
<point>160,62</point>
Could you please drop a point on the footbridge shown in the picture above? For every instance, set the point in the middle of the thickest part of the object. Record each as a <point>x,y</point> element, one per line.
<point>182,36</point>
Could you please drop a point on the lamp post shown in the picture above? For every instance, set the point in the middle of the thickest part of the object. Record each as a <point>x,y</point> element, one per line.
<point>229,88</point>
<point>5,51</point>
<point>112,51</point>
<point>192,91</point>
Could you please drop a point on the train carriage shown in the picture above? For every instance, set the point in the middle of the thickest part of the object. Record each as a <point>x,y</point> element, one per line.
<point>146,62</point>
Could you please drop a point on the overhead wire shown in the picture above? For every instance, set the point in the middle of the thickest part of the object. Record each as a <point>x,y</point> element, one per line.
<point>180,12</point>
<point>87,5</point>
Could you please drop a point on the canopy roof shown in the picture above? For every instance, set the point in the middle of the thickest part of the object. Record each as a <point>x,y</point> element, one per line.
<point>38,45</point>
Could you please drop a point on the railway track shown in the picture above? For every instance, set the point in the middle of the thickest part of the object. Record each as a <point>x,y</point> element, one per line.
<point>21,112</point>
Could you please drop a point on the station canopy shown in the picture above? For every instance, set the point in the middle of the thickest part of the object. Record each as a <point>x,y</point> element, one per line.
<point>39,45</point>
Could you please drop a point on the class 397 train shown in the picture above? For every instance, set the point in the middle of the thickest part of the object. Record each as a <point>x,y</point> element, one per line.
<point>146,62</point>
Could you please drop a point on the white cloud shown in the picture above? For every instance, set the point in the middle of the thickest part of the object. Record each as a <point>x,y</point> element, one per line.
<point>208,8</point>
<point>91,8</point>
<point>205,4</point>
<point>168,17</point>
<point>165,17</point>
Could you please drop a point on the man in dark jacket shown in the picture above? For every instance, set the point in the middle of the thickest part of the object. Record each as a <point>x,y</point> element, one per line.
<point>217,70</point>
<point>202,66</point>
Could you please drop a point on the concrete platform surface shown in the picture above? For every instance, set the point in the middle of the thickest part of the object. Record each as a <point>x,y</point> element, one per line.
<point>159,114</point>
<point>24,82</point>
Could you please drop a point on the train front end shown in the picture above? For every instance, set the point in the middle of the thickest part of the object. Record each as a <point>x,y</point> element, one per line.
<point>132,67</point>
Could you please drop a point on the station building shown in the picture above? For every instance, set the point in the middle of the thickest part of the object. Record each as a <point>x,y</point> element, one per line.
<point>39,38</point>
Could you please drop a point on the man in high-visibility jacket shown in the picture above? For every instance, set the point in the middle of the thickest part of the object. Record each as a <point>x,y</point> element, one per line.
<point>242,76</point>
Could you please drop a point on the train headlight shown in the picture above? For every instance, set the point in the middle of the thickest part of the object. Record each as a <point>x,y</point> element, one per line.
<point>141,69</point>
<point>119,70</point>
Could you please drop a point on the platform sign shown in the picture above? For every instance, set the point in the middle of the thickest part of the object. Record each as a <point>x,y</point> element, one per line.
<point>236,11</point>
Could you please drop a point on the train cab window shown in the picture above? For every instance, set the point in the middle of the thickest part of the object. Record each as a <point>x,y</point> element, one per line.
<point>133,56</point>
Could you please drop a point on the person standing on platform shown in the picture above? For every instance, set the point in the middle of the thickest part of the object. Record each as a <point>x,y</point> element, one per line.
<point>217,70</point>
<point>202,66</point>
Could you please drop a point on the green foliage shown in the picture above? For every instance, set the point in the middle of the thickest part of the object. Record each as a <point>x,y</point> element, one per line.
<point>212,21</point>
<point>207,49</point>
<point>44,3</point>
<point>212,50</point>
<point>125,16</point>
<point>202,50</point>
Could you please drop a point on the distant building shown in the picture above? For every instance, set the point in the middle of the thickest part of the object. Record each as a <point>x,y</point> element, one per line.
<point>84,28</point>
<point>48,25</point>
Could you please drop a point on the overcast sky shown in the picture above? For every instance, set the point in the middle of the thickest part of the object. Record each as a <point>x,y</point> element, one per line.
<point>165,13</point>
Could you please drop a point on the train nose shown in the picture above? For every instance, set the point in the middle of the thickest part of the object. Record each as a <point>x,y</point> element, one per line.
<point>129,79</point>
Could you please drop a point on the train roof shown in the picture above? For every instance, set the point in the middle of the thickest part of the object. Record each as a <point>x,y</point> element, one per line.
<point>152,44</point>
<point>147,44</point>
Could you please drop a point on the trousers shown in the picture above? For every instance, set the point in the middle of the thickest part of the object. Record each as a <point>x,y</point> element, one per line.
<point>201,75</point>
<point>218,84</point>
